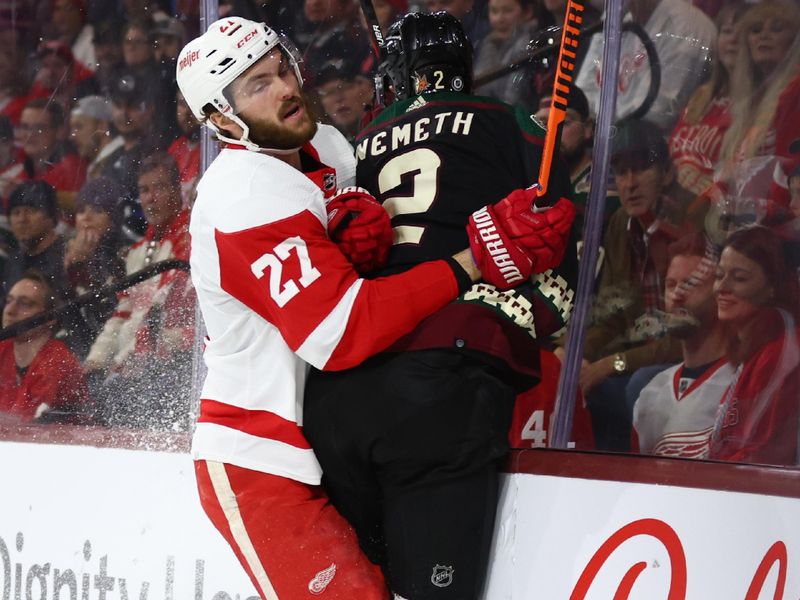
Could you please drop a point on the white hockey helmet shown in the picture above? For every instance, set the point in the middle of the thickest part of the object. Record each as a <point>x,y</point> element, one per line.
<point>210,62</point>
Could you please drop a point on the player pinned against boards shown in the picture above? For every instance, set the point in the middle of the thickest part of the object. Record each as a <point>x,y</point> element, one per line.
<point>410,440</point>
<point>757,299</point>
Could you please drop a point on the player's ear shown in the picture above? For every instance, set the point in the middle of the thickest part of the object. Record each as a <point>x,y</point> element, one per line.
<point>224,123</point>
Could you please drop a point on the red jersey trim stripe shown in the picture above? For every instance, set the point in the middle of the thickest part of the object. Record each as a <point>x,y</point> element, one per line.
<point>259,423</point>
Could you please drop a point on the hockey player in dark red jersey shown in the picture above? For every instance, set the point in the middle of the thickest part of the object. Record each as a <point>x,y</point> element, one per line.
<point>410,440</point>
<point>277,295</point>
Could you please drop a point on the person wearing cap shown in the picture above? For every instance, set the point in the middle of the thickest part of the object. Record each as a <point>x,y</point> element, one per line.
<point>168,36</point>
<point>40,378</point>
<point>60,76</point>
<point>575,147</point>
<point>654,212</point>
<point>132,112</point>
<point>90,131</point>
<point>139,58</point>
<point>107,41</point>
<point>47,156</point>
<point>344,93</point>
<point>93,256</point>
<point>69,20</point>
<point>33,215</point>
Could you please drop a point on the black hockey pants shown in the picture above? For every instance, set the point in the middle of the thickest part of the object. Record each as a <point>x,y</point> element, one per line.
<point>409,445</point>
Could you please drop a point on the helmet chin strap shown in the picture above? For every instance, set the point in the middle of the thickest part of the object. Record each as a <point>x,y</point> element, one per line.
<point>246,141</point>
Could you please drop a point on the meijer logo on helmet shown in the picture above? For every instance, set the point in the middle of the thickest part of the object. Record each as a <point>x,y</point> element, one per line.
<point>189,59</point>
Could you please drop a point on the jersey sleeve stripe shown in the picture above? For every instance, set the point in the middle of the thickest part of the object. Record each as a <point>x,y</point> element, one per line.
<point>320,344</point>
<point>260,423</point>
<point>384,309</point>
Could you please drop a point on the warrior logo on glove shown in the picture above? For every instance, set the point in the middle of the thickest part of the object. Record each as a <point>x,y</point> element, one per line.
<point>484,225</point>
<point>509,241</point>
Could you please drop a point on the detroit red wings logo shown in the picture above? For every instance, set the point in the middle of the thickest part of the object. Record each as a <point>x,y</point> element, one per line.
<point>322,579</point>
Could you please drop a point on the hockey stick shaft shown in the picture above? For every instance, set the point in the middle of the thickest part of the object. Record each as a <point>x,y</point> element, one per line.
<point>376,35</point>
<point>564,79</point>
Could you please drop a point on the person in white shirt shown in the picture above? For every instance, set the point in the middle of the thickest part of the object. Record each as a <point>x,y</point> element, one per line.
<point>683,37</point>
<point>675,413</point>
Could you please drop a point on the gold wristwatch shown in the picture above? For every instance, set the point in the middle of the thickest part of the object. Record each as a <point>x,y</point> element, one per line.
<point>620,366</point>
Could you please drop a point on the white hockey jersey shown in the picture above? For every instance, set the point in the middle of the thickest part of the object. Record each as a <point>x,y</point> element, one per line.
<point>276,294</point>
<point>670,421</point>
<point>683,37</point>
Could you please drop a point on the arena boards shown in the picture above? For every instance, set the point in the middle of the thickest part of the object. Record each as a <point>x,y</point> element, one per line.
<point>79,512</point>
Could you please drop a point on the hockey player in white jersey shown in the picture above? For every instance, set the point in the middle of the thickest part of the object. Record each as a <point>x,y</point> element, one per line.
<point>674,414</point>
<point>277,294</point>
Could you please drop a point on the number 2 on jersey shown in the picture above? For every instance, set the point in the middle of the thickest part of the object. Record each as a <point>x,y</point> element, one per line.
<point>422,165</point>
<point>273,261</point>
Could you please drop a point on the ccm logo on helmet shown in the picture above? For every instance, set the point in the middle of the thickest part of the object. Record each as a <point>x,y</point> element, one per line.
<point>247,38</point>
<point>188,60</point>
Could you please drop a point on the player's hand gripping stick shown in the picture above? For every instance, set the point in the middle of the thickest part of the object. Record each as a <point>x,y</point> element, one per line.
<point>510,240</point>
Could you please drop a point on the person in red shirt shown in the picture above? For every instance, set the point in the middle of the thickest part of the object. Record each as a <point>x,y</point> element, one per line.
<point>765,93</point>
<point>757,298</point>
<point>695,143</point>
<point>39,376</point>
<point>60,77</point>
<point>186,149</point>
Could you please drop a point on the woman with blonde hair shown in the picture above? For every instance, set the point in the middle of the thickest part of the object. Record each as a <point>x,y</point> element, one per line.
<point>695,143</point>
<point>765,93</point>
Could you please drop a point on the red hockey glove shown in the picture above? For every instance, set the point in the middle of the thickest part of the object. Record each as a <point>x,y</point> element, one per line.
<point>543,233</point>
<point>501,261</point>
<point>361,228</point>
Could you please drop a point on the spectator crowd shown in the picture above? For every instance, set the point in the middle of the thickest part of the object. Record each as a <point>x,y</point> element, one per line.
<point>692,349</point>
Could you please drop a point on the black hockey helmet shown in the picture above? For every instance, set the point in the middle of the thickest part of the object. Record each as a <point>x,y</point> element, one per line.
<point>427,53</point>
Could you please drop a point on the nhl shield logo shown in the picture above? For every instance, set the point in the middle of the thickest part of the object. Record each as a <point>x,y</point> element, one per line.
<point>442,576</point>
<point>329,181</point>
